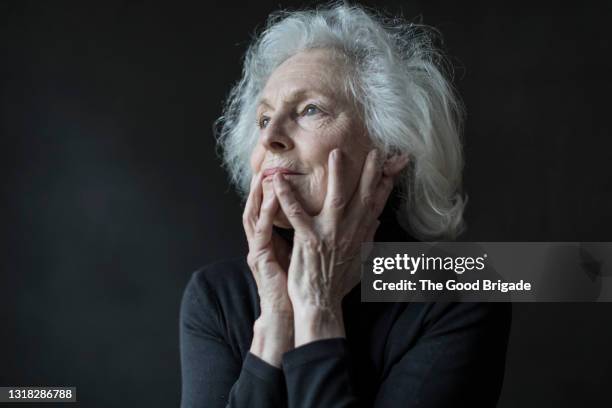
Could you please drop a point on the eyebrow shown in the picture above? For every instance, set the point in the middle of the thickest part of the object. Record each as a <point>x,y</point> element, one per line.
<point>294,96</point>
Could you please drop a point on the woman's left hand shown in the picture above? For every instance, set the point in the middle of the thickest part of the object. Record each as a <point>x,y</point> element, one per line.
<point>325,259</point>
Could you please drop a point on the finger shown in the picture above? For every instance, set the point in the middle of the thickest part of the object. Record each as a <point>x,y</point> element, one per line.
<point>335,198</point>
<point>297,217</point>
<point>363,229</point>
<point>366,250</point>
<point>385,186</point>
<point>263,228</point>
<point>252,206</point>
<point>372,231</point>
<point>395,164</point>
<point>364,199</point>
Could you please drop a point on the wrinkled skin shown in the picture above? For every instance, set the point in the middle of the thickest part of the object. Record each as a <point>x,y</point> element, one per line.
<point>337,188</point>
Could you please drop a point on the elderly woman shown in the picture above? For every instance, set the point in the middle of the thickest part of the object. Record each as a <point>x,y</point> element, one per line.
<point>343,129</point>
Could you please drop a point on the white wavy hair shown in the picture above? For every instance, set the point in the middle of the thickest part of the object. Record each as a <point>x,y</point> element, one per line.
<point>398,79</point>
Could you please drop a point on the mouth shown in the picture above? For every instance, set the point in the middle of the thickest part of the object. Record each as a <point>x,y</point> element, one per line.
<point>282,170</point>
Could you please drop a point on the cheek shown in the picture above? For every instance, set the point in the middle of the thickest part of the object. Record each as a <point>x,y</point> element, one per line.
<point>310,191</point>
<point>354,168</point>
<point>257,158</point>
<point>318,186</point>
<point>315,189</point>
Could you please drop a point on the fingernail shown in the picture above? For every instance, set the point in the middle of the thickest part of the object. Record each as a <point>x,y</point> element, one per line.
<point>336,154</point>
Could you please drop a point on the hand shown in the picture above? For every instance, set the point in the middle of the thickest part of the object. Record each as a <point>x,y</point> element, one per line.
<point>325,258</point>
<point>268,260</point>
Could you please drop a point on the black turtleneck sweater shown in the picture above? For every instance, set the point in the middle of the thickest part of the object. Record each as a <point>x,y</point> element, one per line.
<point>394,354</point>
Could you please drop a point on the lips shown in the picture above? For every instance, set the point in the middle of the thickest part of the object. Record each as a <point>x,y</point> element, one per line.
<point>282,170</point>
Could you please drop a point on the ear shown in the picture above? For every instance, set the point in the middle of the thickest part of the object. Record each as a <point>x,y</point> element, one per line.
<point>395,163</point>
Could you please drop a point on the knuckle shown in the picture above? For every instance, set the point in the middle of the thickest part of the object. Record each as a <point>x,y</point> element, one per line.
<point>283,195</point>
<point>311,241</point>
<point>251,261</point>
<point>369,201</point>
<point>282,189</point>
<point>259,229</point>
<point>294,210</point>
<point>255,258</point>
<point>338,202</point>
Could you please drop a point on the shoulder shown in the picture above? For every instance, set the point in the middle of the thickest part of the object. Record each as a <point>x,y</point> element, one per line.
<point>440,317</point>
<point>486,323</point>
<point>219,282</point>
<point>455,352</point>
<point>470,325</point>
<point>220,276</point>
<point>456,314</point>
<point>471,335</point>
<point>449,329</point>
<point>220,294</point>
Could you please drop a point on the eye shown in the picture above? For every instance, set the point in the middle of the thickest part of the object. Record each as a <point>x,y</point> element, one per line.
<point>263,121</point>
<point>310,110</point>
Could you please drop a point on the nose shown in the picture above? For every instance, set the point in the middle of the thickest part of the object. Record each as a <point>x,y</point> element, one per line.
<point>275,137</point>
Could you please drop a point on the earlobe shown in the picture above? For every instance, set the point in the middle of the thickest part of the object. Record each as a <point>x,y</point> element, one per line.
<point>395,163</point>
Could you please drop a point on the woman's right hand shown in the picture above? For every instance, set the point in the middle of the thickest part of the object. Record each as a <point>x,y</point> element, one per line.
<point>268,260</point>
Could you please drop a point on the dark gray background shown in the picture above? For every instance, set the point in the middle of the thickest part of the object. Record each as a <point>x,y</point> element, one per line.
<point>112,193</point>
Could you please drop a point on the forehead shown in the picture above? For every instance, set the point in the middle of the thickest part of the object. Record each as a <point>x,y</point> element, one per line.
<point>318,70</point>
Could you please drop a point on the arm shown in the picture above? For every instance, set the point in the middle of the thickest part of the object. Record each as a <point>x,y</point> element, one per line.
<point>268,260</point>
<point>212,375</point>
<point>209,367</point>
<point>324,267</point>
<point>458,361</point>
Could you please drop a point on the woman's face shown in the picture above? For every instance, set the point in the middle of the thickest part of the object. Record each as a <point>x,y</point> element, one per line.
<point>304,114</point>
